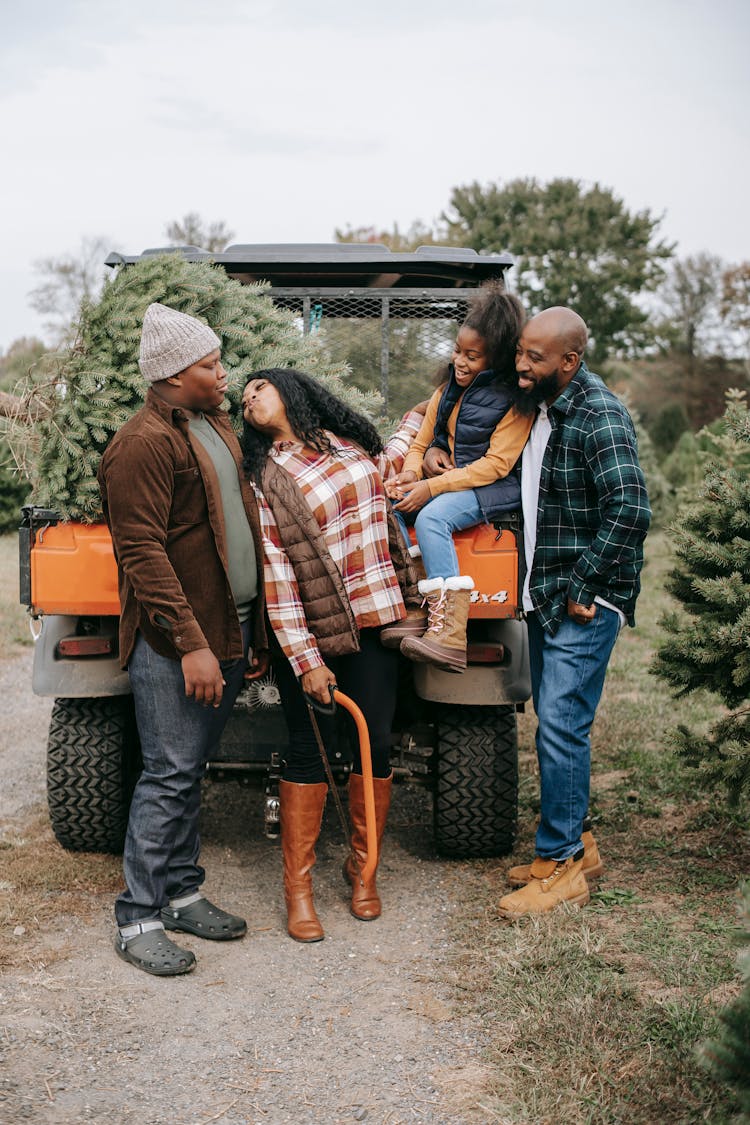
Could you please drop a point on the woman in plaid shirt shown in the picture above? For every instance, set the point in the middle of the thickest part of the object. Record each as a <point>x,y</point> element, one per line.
<point>330,544</point>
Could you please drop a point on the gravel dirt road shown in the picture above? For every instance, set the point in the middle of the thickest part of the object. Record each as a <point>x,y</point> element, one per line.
<point>359,1027</point>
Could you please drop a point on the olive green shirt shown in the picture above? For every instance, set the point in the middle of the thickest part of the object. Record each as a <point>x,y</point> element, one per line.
<point>241,560</point>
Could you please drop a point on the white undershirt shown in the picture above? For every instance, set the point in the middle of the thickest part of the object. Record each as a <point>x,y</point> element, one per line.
<point>531,472</point>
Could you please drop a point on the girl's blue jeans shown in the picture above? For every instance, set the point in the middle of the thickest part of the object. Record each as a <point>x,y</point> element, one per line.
<point>567,677</point>
<point>435,524</point>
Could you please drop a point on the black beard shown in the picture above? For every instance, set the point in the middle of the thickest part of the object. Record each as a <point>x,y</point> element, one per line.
<point>526,402</point>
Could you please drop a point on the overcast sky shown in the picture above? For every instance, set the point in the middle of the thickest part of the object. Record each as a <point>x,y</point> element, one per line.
<point>289,119</point>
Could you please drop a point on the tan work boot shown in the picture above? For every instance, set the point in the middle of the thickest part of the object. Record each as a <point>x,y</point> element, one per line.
<point>444,642</point>
<point>564,883</point>
<point>592,865</point>
<point>301,813</point>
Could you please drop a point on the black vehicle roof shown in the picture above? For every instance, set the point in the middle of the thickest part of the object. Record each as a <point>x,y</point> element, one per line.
<point>358,264</point>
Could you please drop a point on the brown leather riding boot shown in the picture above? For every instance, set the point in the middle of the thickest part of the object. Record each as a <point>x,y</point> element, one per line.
<point>365,903</point>
<point>301,813</point>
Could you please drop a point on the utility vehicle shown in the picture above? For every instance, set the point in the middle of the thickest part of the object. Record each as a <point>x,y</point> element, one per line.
<point>454,733</point>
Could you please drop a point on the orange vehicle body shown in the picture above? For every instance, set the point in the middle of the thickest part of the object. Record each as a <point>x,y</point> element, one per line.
<point>73,570</point>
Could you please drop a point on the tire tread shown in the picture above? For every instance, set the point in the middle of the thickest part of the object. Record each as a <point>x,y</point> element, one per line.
<point>476,792</point>
<point>91,749</point>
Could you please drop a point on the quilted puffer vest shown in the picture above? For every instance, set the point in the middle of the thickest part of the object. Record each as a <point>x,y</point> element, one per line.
<point>327,610</point>
<point>485,402</point>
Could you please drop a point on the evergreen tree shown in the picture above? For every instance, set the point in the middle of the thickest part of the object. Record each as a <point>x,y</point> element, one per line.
<point>13,487</point>
<point>18,364</point>
<point>668,427</point>
<point>96,384</point>
<point>661,494</point>
<point>707,646</point>
<point>727,1056</point>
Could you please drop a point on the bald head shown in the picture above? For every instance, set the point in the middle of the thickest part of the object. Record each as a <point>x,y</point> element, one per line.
<point>549,354</point>
<point>561,328</point>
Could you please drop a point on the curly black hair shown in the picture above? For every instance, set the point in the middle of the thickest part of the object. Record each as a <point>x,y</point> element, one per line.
<point>310,410</point>
<point>499,318</point>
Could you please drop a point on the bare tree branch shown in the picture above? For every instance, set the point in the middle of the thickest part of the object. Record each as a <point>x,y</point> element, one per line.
<point>24,410</point>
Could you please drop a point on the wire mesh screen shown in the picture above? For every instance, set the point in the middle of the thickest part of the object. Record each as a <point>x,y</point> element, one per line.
<point>394,341</point>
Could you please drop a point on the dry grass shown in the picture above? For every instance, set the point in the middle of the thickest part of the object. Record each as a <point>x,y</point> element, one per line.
<point>41,882</point>
<point>14,626</point>
<point>594,1015</point>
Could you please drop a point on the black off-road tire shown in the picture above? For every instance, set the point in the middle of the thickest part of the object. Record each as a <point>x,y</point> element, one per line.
<point>476,781</point>
<point>93,761</point>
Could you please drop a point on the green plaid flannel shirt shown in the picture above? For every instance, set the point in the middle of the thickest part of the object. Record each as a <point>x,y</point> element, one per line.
<point>593,511</point>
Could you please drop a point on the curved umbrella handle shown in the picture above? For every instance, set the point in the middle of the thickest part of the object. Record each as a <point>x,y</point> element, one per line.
<point>323,708</point>
<point>349,705</point>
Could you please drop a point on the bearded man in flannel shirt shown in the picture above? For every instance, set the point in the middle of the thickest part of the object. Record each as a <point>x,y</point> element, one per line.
<point>586,514</point>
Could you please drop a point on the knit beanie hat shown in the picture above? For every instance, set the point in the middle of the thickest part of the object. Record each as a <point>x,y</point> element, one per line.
<point>172,341</point>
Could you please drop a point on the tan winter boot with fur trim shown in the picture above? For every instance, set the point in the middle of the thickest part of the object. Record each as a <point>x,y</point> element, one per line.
<point>413,625</point>
<point>444,642</point>
<point>415,622</point>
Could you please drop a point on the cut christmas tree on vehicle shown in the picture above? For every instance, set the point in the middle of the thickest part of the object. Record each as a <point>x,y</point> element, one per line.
<point>95,385</point>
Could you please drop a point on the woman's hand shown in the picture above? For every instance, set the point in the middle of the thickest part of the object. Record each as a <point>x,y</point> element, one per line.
<point>259,664</point>
<point>394,487</point>
<point>415,497</point>
<point>315,683</point>
<point>436,462</point>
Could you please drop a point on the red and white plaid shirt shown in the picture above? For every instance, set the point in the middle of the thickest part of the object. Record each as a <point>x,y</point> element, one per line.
<point>345,494</point>
<point>391,461</point>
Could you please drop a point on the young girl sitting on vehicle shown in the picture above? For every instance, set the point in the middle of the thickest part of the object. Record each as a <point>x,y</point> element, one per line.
<point>461,470</point>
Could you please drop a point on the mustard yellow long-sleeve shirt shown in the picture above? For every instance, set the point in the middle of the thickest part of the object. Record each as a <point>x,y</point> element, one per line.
<point>506,443</point>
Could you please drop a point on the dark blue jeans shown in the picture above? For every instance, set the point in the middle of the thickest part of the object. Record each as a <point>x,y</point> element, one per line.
<point>567,677</point>
<point>162,844</point>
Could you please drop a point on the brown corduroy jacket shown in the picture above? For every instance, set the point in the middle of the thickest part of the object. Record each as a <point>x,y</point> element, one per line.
<point>162,504</point>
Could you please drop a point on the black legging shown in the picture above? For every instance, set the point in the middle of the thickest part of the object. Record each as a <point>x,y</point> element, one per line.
<point>369,677</point>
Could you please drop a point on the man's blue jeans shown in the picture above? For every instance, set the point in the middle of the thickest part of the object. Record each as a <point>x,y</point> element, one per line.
<point>162,845</point>
<point>435,524</point>
<point>567,677</point>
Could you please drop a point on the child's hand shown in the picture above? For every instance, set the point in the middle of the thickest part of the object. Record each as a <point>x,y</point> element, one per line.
<point>394,487</point>
<point>436,462</point>
<point>415,497</point>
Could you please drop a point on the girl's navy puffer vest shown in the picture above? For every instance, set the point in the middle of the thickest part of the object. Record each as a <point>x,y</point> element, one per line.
<point>484,403</point>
